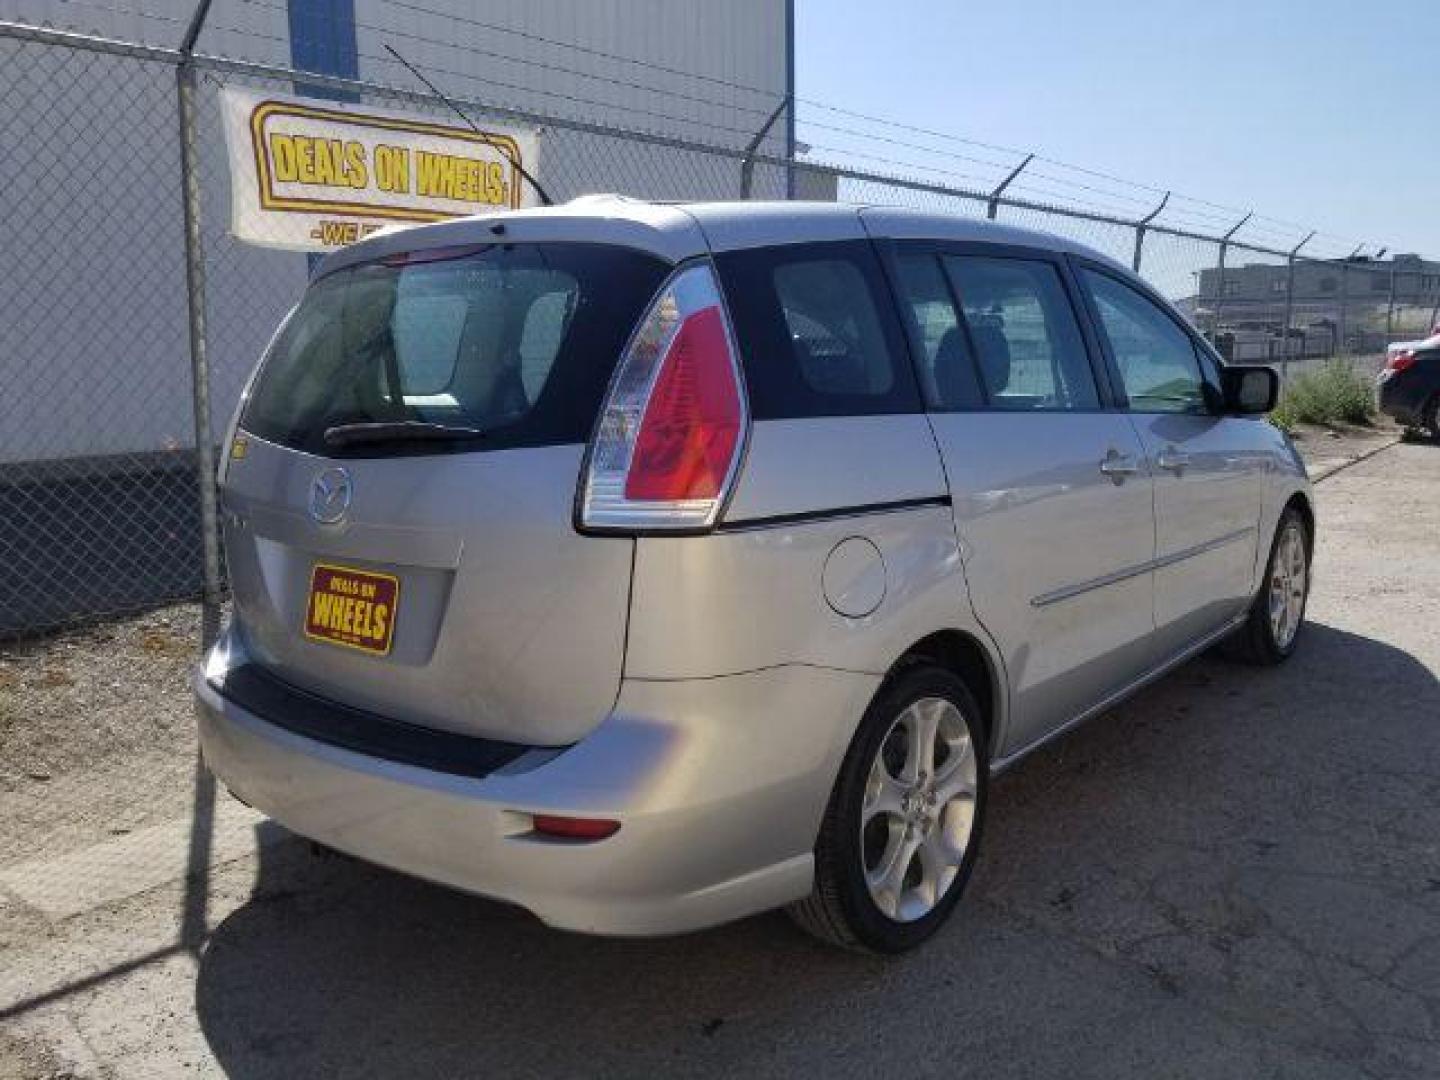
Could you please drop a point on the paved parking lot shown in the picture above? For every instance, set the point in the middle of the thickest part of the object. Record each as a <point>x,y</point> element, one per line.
<point>1237,874</point>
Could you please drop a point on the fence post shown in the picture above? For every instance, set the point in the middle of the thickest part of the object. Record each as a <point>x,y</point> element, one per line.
<point>1343,324</point>
<point>195,295</point>
<point>1219,290</point>
<point>1220,270</point>
<point>992,206</point>
<point>1390,308</point>
<point>1290,305</point>
<point>1140,231</point>
<point>747,164</point>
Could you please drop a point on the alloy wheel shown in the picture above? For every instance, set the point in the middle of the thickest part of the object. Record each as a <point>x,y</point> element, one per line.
<point>919,809</point>
<point>1289,577</point>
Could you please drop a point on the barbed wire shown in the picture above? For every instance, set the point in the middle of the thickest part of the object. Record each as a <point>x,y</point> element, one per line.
<point>1183,209</point>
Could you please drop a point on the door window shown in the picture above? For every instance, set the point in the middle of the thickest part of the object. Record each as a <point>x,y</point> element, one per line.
<point>1027,345</point>
<point>947,370</point>
<point>1156,358</point>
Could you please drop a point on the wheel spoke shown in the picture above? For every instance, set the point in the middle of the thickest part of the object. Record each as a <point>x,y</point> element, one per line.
<point>938,864</point>
<point>957,819</point>
<point>882,793</point>
<point>921,721</point>
<point>958,775</point>
<point>936,854</point>
<point>887,880</point>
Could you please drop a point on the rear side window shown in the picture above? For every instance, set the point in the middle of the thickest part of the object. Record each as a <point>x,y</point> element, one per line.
<point>817,332</point>
<point>518,340</point>
<point>1157,359</point>
<point>1027,343</point>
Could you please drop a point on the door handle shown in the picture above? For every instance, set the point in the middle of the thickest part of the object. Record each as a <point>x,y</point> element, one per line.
<point>1172,460</point>
<point>1118,466</point>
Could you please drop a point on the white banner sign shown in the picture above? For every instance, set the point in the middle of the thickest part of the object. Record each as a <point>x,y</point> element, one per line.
<point>311,175</point>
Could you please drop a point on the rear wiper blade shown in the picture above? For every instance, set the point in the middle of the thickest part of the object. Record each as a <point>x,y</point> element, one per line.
<point>397,431</point>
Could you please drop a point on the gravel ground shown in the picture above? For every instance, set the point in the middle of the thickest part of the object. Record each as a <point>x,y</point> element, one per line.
<point>95,728</point>
<point>1237,873</point>
<point>67,701</point>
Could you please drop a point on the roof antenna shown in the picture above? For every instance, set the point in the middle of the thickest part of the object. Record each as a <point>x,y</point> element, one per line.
<point>515,161</point>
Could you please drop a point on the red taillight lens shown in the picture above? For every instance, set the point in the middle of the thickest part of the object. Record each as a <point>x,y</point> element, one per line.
<point>1401,360</point>
<point>692,423</point>
<point>574,828</point>
<point>674,421</point>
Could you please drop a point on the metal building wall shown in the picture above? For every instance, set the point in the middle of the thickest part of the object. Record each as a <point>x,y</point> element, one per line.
<point>538,59</point>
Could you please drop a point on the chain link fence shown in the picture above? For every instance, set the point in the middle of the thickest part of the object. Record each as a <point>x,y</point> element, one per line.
<point>100,497</point>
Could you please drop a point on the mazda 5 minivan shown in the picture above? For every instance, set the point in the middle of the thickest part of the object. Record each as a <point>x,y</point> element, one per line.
<point>648,566</point>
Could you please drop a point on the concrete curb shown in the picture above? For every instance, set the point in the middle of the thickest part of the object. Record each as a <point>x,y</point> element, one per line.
<point>1324,472</point>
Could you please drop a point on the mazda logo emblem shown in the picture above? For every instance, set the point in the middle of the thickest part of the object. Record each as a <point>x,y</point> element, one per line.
<point>330,496</point>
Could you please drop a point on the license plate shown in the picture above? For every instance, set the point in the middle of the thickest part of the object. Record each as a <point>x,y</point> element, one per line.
<point>355,608</point>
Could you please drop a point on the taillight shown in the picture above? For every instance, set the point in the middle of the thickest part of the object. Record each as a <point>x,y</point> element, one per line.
<point>1399,361</point>
<point>669,437</point>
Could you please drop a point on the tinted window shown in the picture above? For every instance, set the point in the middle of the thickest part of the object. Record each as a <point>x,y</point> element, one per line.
<point>516,340</point>
<point>947,370</point>
<point>1028,346</point>
<point>1156,358</point>
<point>817,332</point>
<point>838,342</point>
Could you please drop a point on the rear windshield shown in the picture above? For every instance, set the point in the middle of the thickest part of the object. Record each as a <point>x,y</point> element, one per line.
<point>516,340</point>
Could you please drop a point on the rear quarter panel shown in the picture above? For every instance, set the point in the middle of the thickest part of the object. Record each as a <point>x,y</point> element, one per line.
<point>752,595</point>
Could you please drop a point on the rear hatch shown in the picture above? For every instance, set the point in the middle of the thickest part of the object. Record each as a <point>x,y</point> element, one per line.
<point>399,500</point>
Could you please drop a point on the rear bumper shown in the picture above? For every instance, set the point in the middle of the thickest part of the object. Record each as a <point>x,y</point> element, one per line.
<point>719,785</point>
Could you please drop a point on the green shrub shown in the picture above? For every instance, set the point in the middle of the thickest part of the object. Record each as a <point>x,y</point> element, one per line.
<point>1336,394</point>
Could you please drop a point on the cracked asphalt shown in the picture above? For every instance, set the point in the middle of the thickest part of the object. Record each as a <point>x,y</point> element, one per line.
<point>1236,874</point>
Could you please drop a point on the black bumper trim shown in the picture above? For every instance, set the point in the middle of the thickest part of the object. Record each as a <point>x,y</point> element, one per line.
<point>277,702</point>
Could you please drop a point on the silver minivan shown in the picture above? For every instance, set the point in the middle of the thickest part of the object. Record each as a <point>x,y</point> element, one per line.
<point>648,566</point>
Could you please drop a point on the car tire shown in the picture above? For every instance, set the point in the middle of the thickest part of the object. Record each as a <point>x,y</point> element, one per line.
<point>1269,635</point>
<point>922,825</point>
<point>1430,417</point>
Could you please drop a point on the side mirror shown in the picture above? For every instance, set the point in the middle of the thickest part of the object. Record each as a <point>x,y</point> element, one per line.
<point>1250,390</point>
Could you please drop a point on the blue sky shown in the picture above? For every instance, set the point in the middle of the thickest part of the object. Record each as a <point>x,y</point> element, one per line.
<point>1320,113</point>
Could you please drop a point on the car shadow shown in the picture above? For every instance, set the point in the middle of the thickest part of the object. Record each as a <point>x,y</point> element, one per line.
<point>336,967</point>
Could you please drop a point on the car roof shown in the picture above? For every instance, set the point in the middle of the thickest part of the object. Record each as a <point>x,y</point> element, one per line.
<point>681,230</point>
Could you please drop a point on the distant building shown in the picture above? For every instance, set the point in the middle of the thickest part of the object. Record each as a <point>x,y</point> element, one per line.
<point>1254,294</point>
